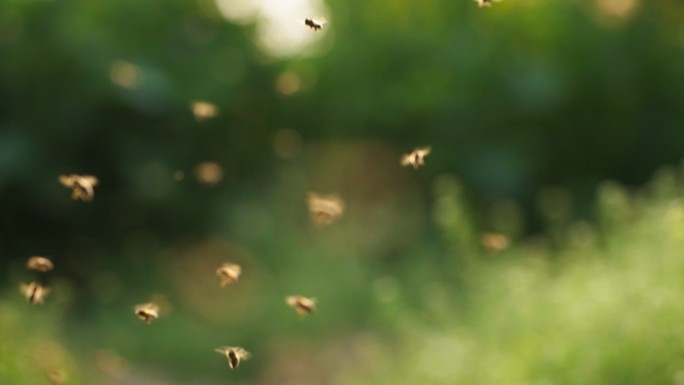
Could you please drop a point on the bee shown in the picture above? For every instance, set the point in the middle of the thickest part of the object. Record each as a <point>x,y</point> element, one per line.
<point>485,3</point>
<point>495,242</point>
<point>229,273</point>
<point>41,264</point>
<point>235,354</point>
<point>416,158</point>
<point>82,186</point>
<point>313,24</point>
<point>34,292</point>
<point>325,210</point>
<point>304,306</point>
<point>147,312</point>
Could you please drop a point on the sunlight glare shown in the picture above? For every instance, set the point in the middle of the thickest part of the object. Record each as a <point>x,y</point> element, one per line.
<point>280,25</point>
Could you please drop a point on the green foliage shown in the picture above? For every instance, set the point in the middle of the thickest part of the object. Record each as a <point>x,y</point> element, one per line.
<point>603,307</point>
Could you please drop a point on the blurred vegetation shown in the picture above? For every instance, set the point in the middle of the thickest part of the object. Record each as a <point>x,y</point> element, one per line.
<point>529,106</point>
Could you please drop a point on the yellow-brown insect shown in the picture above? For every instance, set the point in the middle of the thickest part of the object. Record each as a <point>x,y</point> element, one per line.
<point>147,312</point>
<point>415,158</point>
<point>82,186</point>
<point>325,210</point>
<point>229,273</point>
<point>34,292</point>
<point>235,354</point>
<point>485,3</point>
<point>41,264</point>
<point>315,25</point>
<point>495,242</point>
<point>304,306</point>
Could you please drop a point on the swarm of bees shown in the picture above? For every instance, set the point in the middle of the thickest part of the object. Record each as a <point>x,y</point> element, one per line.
<point>147,312</point>
<point>325,210</point>
<point>234,354</point>
<point>82,186</point>
<point>229,273</point>
<point>416,158</point>
<point>304,306</point>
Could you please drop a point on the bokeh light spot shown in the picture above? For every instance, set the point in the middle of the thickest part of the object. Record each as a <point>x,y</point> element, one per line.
<point>209,173</point>
<point>125,74</point>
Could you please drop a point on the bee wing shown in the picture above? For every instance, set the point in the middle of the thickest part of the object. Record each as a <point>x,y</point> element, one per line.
<point>23,288</point>
<point>406,159</point>
<point>146,306</point>
<point>232,266</point>
<point>244,355</point>
<point>66,180</point>
<point>89,179</point>
<point>222,350</point>
<point>425,150</point>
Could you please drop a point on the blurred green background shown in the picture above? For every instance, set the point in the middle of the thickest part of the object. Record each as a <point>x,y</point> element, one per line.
<point>538,112</point>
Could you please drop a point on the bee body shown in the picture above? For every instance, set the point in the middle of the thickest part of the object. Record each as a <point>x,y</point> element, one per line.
<point>485,3</point>
<point>234,354</point>
<point>147,312</point>
<point>416,158</point>
<point>325,210</point>
<point>82,186</point>
<point>40,264</point>
<point>303,306</point>
<point>315,25</point>
<point>229,273</point>
<point>34,292</point>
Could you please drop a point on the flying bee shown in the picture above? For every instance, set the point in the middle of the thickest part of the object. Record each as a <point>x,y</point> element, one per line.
<point>41,264</point>
<point>82,186</point>
<point>315,25</point>
<point>34,292</point>
<point>416,158</point>
<point>229,273</point>
<point>485,3</point>
<point>325,210</point>
<point>234,354</point>
<point>147,312</point>
<point>304,306</point>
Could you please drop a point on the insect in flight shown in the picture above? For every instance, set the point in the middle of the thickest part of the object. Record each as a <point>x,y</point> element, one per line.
<point>147,312</point>
<point>82,186</point>
<point>229,273</point>
<point>416,158</point>
<point>34,292</point>
<point>315,25</point>
<point>325,210</point>
<point>41,264</point>
<point>485,3</point>
<point>234,354</point>
<point>304,306</point>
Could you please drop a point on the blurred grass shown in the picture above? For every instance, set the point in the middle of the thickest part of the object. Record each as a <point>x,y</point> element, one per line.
<point>602,307</point>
